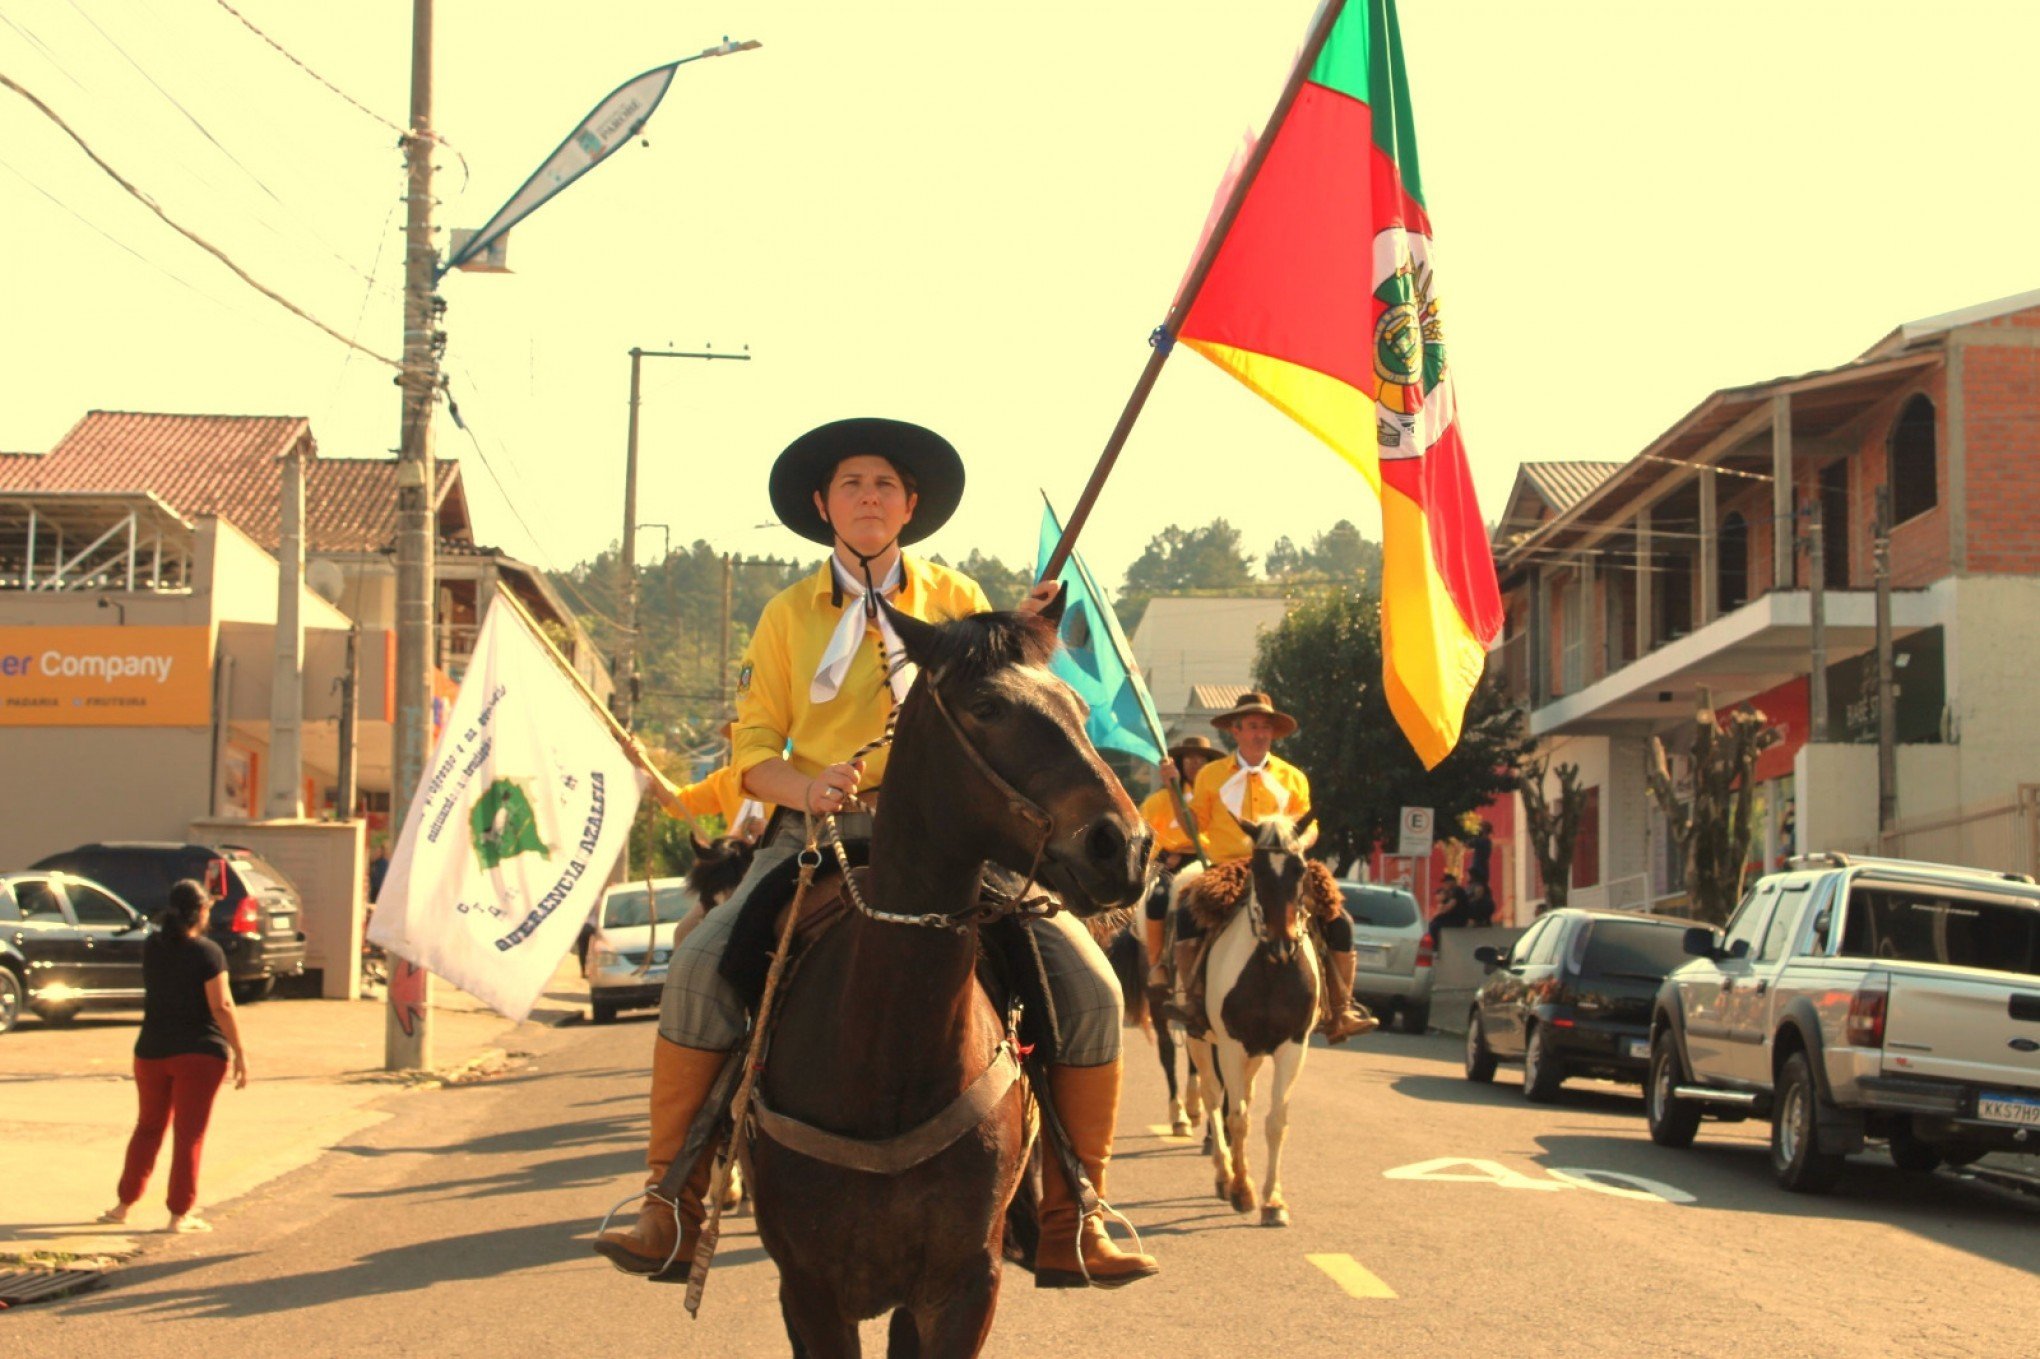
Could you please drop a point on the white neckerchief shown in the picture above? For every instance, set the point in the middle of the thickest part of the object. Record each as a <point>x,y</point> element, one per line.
<point>1233,792</point>
<point>849,635</point>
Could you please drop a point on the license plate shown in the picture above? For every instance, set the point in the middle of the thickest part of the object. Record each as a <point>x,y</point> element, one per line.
<point>1640,1048</point>
<point>279,922</point>
<point>2023,1110</point>
<point>1378,952</point>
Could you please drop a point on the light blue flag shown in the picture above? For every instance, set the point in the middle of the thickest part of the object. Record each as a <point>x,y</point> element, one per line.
<point>1095,660</point>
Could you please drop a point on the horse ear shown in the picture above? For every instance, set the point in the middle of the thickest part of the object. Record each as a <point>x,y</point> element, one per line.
<point>1304,823</point>
<point>701,846</point>
<point>917,637</point>
<point>1053,610</point>
<point>1252,828</point>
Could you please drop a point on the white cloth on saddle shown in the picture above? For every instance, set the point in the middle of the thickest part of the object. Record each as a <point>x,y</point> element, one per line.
<point>849,635</point>
<point>1233,792</point>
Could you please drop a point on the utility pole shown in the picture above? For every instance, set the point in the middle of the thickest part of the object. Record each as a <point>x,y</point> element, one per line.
<point>1817,689</point>
<point>1887,691</point>
<point>625,702</point>
<point>350,704</point>
<point>407,1030</point>
<point>286,799</point>
<point>722,674</point>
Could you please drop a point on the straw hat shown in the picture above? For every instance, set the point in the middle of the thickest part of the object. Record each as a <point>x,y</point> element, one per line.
<point>1254,701</point>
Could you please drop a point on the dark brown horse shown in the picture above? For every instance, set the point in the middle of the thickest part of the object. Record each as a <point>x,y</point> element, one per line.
<point>886,1024</point>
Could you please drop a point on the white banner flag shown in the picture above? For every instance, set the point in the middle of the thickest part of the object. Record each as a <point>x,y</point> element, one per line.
<point>509,841</point>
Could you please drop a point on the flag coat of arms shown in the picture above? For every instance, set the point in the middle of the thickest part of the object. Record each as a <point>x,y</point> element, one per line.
<point>1322,297</point>
<point>509,839</point>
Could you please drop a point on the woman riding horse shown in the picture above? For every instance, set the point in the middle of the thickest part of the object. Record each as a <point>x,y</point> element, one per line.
<point>1176,848</point>
<point>823,670</point>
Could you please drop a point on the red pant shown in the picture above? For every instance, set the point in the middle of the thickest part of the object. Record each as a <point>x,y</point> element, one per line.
<point>182,1087</point>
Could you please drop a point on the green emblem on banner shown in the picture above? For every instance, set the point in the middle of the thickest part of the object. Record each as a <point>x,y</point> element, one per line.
<point>503,825</point>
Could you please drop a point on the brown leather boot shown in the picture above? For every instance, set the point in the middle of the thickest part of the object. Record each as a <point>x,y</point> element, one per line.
<point>1074,1253</point>
<point>681,1078</point>
<point>1343,1016</point>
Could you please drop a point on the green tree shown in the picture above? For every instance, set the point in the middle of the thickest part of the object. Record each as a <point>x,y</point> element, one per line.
<point>1323,664</point>
<point>1180,561</point>
<point>1004,585</point>
<point>1339,555</point>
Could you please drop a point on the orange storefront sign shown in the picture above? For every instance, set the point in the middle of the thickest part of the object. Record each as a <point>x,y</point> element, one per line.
<point>105,677</point>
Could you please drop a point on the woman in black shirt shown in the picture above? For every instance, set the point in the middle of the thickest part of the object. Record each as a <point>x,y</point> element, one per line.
<point>188,1033</point>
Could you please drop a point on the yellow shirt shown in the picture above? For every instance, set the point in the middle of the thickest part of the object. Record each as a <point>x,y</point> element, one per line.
<point>772,689</point>
<point>720,794</point>
<point>1223,838</point>
<point>1159,811</point>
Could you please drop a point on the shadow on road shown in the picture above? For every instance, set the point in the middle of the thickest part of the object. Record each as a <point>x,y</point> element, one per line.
<point>1946,1207</point>
<point>1587,1097</point>
<point>410,1268</point>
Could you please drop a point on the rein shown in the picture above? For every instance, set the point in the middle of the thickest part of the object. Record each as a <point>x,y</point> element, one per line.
<point>1017,802</point>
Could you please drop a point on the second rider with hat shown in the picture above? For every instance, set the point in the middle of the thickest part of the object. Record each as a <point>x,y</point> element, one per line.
<point>821,675</point>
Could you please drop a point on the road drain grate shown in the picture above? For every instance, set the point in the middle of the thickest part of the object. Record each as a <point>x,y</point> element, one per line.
<point>45,1285</point>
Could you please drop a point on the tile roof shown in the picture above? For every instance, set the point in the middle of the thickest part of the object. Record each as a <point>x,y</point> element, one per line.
<point>1217,698</point>
<point>225,465</point>
<point>1564,484</point>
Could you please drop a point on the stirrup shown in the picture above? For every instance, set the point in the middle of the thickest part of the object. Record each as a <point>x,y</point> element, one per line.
<point>679,1228</point>
<point>1105,1210</point>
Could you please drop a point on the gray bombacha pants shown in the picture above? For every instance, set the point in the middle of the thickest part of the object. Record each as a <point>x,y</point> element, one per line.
<point>700,1009</point>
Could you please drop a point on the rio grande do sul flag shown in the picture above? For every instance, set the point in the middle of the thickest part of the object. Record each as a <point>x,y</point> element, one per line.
<point>509,840</point>
<point>1322,298</point>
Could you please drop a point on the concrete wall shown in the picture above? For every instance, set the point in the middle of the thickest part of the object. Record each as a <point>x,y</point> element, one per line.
<point>1615,766</point>
<point>327,862</point>
<point>1455,976</point>
<point>67,786</point>
<point>1993,654</point>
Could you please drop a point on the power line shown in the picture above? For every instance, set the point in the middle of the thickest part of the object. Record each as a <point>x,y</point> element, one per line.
<point>188,234</point>
<point>83,220</point>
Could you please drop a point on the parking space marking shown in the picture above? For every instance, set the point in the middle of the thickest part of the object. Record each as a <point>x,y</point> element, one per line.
<point>1349,1274</point>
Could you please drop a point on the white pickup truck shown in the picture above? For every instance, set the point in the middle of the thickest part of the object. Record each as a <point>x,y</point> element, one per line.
<point>1851,999</point>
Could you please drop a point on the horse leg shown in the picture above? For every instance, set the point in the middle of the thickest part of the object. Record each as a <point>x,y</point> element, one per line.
<point>814,1324</point>
<point>1239,1071</point>
<point>1165,1048</point>
<point>956,1329</point>
<point>1193,1087</point>
<point>1288,1066</point>
<point>1205,1064</point>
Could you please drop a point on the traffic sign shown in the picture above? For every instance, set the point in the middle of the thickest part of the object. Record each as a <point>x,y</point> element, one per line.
<point>1414,839</point>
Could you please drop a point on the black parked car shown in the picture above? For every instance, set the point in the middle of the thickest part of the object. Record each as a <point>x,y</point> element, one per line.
<point>1573,998</point>
<point>66,945</point>
<point>256,915</point>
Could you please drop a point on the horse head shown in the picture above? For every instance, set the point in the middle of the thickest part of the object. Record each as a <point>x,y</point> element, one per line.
<point>1278,869</point>
<point>1020,781</point>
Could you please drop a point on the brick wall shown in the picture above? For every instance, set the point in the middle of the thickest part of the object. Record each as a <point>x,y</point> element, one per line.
<point>2001,394</point>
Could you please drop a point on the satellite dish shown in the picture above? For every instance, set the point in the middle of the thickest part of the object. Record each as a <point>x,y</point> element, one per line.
<point>325,579</point>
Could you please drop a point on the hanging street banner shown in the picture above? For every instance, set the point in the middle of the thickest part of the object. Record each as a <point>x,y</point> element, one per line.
<point>509,841</point>
<point>608,126</point>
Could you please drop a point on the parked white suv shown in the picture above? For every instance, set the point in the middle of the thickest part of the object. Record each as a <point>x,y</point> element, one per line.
<point>632,943</point>
<point>1852,998</point>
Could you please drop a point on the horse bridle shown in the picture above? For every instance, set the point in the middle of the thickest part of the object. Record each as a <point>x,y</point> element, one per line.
<point>1023,903</point>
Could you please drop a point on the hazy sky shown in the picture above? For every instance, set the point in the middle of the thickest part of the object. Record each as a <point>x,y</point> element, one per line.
<point>972,215</point>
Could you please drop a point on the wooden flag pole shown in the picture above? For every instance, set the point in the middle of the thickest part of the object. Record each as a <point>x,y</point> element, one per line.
<point>1164,338</point>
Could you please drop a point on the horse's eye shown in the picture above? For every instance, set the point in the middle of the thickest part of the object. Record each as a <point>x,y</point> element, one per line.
<point>986,709</point>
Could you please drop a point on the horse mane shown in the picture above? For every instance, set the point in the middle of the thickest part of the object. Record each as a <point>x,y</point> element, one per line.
<point>971,648</point>
<point>1218,891</point>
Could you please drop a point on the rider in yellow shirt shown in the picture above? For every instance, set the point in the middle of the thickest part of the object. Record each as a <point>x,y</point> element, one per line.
<point>1253,784</point>
<point>820,676</point>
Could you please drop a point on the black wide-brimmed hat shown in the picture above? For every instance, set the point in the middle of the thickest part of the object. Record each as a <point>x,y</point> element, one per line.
<point>805,466</point>
<point>1255,702</point>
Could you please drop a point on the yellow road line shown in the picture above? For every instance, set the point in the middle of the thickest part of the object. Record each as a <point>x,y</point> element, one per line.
<point>1351,1275</point>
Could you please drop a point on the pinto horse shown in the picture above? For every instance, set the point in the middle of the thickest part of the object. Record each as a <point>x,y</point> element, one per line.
<point>1261,1000</point>
<point>885,1025</point>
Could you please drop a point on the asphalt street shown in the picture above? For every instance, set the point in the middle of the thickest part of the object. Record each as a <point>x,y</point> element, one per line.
<point>1430,1217</point>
